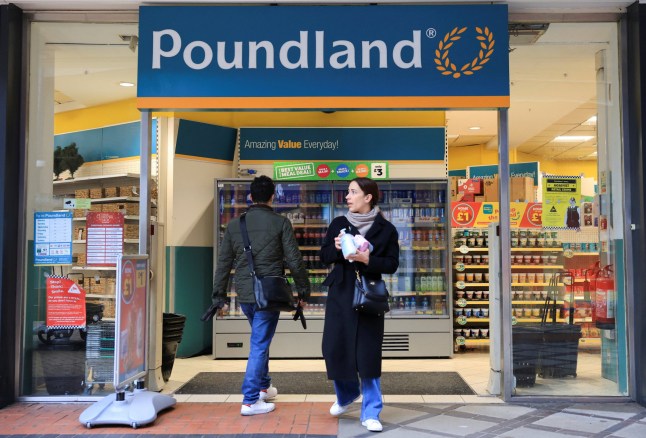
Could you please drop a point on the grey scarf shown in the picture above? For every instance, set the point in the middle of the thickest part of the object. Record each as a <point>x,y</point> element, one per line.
<point>363,221</point>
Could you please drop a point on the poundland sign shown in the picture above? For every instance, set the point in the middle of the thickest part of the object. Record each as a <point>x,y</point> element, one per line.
<point>344,57</point>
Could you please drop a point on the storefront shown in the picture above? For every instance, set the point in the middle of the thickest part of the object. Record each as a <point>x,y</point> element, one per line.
<point>397,86</point>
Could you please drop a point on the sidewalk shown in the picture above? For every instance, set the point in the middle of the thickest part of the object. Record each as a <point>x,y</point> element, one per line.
<point>311,419</point>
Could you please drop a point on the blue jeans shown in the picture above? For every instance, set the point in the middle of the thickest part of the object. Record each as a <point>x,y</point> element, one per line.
<point>263,326</point>
<point>348,390</point>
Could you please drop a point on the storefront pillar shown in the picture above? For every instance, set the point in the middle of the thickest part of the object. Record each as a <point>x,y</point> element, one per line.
<point>505,252</point>
<point>635,166</point>
<point>11,172</point>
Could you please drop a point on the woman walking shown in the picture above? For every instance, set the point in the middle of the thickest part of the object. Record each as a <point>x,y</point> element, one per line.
<point>352,340</point>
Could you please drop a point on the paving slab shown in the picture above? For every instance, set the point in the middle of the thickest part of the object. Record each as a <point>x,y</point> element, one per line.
<point>451,425</point>
<point>576,422</point>
<point>505,412</point>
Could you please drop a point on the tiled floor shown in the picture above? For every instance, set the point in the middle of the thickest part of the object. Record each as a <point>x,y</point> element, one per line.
<point>306,415</point>
<point>303,419</point>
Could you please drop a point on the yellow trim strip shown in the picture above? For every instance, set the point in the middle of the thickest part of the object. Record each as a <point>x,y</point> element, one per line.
<point>211,160</point>
<point>351,102</point>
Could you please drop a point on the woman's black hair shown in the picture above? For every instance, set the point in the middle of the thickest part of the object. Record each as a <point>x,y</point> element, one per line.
<point>368,187</point>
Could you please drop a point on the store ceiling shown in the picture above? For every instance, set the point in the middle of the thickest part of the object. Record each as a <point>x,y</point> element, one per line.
<point>553,87</point>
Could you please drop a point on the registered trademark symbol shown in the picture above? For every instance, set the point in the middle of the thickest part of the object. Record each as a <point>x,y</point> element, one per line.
<point>431,33</point>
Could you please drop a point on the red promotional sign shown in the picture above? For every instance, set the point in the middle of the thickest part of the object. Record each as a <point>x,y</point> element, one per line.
<point>526,215</point>
<point>104,238</point>
<point>65,303</point>
<point>481,214</point>
<point>132,275</point>
<point>463,214</point>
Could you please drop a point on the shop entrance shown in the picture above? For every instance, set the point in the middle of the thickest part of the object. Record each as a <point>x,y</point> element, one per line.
<point>186,192</point>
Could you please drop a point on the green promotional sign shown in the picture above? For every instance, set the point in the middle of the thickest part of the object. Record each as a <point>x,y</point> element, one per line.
<point>327,170</point>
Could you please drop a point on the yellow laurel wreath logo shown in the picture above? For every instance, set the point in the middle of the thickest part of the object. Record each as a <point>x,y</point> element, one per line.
<point>444,63</point>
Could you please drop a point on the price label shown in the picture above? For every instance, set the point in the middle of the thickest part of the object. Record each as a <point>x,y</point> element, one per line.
<point>461,302</point>
<point>568,253</point>
<point>460,340</point>
<point>460,284</point>
<point>462,320</point>
<point>464,249</point>
<point>460,267</point>
<point>514,321</point>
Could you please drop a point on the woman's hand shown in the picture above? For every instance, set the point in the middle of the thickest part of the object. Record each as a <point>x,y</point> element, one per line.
<point>337,242</point>
<point>360,256</point>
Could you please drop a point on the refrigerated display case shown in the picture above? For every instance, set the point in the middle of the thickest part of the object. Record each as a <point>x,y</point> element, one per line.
<point>419,323</point>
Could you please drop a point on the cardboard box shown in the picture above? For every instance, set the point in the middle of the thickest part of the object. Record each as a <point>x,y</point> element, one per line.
<point>453,186</point>
<point>521,189</point>
<point>490,189</point>
<point>472,187</point>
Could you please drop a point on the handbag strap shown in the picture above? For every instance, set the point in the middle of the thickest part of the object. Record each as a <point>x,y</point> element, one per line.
<point>247,245</point>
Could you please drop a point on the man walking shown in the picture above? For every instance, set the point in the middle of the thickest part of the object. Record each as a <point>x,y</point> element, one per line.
<point>272,243</point>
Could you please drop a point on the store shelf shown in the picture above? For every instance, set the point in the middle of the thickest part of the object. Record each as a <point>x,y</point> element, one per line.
<point>420,271</point>
<point>537,266</point>
<point>422,248</point>
<point>472,250</point>
<point>119,199</point>
<point>475,284</point>
<point>474,266</point>
<point>552,249</point>
<point>69,186</point>
<point>418,224</point>
<point>475,341</point>
<point>416,293</point>
<point>412,314</point>
<point>596,254</point>
<point>477,320</point>
<point>534,284</point>
<point>541,302</point>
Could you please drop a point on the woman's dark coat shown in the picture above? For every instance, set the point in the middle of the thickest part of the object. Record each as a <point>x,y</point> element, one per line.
<point>352,340</point>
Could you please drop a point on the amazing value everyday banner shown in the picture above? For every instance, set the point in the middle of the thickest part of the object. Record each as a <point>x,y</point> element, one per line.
<point>314,57</point>
<point>417,145</point>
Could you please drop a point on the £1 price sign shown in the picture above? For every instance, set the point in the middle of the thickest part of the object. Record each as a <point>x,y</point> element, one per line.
<point>463,214</point>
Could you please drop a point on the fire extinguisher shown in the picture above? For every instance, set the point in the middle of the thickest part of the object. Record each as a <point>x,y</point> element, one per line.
<point>604,302</point>
<point>590,286</point>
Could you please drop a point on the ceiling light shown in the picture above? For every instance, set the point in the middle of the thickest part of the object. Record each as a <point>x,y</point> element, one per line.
<point>592,121</point>
<point>126,84</point>
<point>573,138</point>
<point>474,128</point>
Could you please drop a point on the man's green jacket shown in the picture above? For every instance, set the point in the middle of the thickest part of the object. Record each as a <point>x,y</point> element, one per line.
<point>273,245</point>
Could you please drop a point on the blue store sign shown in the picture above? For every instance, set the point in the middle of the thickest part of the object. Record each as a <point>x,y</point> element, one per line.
<point>342,144</point>
<point>263,57</point>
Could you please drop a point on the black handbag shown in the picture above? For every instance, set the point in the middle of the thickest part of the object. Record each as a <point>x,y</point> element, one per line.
<point>272,292</point>
<point>370,296</point>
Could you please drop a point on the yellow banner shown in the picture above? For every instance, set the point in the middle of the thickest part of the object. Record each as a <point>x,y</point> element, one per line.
<point>561,202</point>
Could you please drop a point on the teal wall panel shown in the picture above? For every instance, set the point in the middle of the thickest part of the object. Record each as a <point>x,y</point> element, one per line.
<point>192,284</point>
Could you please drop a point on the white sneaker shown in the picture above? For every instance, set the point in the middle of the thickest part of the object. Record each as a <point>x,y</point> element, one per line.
<point>259,407</point>
<point>337,409</point>
<point>269,393</point>
<point>373,425</point>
